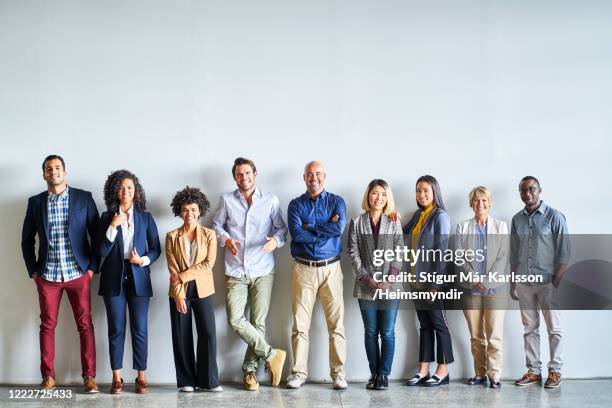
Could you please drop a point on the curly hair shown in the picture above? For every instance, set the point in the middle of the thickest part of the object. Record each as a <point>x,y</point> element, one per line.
<point>111,190</point>
<point>189,195</point>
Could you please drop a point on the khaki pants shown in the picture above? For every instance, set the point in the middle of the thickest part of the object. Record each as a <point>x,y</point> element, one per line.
<point>485,319</point>
<point>255,294</point>
<point>532,300</point>
<point>307,282</point>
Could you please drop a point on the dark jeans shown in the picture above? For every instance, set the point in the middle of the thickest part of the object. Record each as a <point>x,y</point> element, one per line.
<point>379,319</point>
<point>202,373</point>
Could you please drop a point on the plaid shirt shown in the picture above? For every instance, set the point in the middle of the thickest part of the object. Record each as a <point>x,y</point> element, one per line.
<point>61,265</point>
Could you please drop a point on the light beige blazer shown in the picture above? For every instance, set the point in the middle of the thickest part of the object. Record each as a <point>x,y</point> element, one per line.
<point>200,271</point>
<point>497,250</point>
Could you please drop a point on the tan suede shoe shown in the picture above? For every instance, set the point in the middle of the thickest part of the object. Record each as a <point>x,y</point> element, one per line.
<point>250,381</point>
<point>275,366</point>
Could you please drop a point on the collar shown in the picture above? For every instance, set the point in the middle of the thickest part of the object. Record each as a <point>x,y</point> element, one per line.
<point>541,209</point>
<point>256,193</point>
<point>181,231</point>
<point>322,194</point>
<point>130,214</point>
<point>481,228</point>
<point>63,195</point>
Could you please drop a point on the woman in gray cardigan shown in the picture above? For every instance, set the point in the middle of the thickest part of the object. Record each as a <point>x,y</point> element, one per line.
<point>371,231</point>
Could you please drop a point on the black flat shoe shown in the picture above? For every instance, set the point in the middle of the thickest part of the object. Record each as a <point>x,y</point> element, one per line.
<point>382,383</point>
<point>494,384</point>
<point>417,380</point>
<point>477,380</point>
<point>436,381</point>
<point>371,385</point>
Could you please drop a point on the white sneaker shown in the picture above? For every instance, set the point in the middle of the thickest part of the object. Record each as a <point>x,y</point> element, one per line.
<point>186,388</point>
<point>218,388</point>
<point>340,384</point>
<point>295,381</point>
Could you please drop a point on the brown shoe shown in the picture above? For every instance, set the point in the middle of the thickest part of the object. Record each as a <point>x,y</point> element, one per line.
<point>141,386</point>
<point>553,380</point>
<point>250,381</point>
<point>275,366</point>
<point>90,385</point>
<point>48,383</point>
<point>529,378</point>
<point>117,387</point>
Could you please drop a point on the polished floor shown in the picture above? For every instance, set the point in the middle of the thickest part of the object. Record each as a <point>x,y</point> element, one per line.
<point>573,393</point>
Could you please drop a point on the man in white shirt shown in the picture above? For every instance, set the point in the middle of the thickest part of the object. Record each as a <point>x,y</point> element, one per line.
<point>249,223</point>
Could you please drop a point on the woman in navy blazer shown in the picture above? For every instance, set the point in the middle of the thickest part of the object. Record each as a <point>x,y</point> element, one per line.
<point>429,229</point>
<point>129,242</point>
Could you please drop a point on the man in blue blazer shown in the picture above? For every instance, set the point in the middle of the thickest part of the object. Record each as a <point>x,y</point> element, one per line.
<point>62,217</point>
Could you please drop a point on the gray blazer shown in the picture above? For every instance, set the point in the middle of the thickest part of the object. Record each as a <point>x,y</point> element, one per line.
<point>361,247</point>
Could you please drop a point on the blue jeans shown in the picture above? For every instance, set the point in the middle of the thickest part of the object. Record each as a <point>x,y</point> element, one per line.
<point>379,319</point>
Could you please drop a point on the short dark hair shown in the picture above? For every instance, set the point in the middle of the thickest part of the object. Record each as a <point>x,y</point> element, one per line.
<point>437,192</point>
<point>189,195</point>
<point>241,160</point>
<point>53,157</point>
<point>111,190</point>
<point>526,178</point>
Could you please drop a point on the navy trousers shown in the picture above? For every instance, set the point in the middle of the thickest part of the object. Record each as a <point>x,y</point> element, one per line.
<point>138,308</point>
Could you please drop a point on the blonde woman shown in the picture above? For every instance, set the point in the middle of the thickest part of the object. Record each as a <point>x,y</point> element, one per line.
<point>373,230</point>
<point>485,299</point>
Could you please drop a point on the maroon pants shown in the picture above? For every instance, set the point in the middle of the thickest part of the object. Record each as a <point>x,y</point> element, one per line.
<point>49,297</point>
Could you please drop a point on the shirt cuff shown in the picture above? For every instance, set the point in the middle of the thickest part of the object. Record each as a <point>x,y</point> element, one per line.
<point>145,261</point>
<point>279,240</point>
<point>111,233</point>
<point>222,239</point>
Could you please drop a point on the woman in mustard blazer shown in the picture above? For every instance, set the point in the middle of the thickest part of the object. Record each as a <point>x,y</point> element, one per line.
<point>191,251</point>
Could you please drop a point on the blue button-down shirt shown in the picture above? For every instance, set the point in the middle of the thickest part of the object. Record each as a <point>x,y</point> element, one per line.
<point>249,225</point>
<point>539,241</point>
<point>61,264</point>
<point>320,238</point>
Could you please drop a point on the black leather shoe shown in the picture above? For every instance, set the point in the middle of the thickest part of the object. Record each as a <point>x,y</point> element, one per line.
<point>436,381</point>
<point>371,385</point>
<point>382,383</point>
<point>494,384</point>
<point>417,380</point>
<point>477,380</point>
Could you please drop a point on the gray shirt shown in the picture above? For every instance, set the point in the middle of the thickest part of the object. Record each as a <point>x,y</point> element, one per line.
<point>539,241</point>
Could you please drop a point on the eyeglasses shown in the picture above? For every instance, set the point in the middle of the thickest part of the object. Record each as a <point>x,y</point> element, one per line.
<point>531,189</point>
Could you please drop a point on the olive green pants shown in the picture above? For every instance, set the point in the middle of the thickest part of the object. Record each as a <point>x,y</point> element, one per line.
<point>254,294</point>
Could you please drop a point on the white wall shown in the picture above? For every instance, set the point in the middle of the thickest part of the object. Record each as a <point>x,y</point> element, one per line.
<point>473,92</point>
